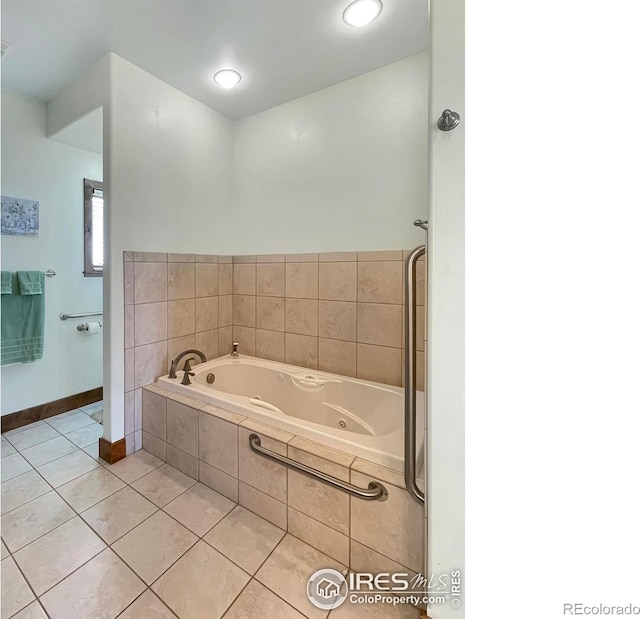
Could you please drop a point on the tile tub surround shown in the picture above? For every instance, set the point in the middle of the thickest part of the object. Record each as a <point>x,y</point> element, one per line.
<point>339,312</point>
<point>211,445</point>
<point>173,302</point>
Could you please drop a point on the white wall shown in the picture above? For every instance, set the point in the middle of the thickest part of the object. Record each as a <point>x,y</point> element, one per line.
<point>446,328</point>
<point>339,169</point>
<point>37,168</point>
<point>168,181</point>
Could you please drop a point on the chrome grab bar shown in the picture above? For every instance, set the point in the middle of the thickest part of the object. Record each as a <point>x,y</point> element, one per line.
<point>67,316</point>
<point>410,373</point>
<point>374,492</point>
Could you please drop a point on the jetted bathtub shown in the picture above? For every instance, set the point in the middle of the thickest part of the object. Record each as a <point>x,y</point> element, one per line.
<point>362,418</point>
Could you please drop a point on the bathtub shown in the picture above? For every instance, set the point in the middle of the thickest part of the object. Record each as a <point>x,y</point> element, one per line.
<point>362,418</point>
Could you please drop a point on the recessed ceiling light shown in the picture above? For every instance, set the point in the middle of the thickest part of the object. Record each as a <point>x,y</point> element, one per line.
<point>227,78</point>
<point>362,12</point>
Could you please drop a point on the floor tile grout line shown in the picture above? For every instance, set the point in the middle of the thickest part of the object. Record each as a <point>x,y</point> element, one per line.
<point>199,538</point>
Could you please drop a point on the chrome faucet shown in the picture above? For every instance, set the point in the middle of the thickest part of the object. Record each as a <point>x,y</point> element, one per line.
<point>234,352</point>
<point>187,366</point>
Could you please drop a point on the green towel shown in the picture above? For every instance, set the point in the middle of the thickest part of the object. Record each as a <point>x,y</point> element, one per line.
<point>22,333</point>
<point>31,282</point>
<point>5,282</point>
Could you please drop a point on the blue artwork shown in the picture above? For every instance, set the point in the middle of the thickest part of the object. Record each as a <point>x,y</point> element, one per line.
<point>20,217</point>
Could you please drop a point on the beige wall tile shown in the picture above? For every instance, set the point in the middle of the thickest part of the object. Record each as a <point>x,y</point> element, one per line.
<point>129,283</point>
<point>264,505</point>
<point>150,282</point>
<point>181,280</point>
<point>301,280</point>
<point>338,256</point>
<point>376,256</point>
<point>154,414</point>
<point>148,256</point>
<point>270,279</point>
<point>247,259</point>
<point>337,320</point>
<point>401,518</point>
<point>150,323</point>
<point>154,446</point>
<point>270,258</point>
<point>127,256</point>
<point>338,281</point>
<point>182,427</point>
<point>207,342</point>
<point>206,279</point>
<point>244,310</point>
<point>150,363</point>
<point>337,356</point>
<point>301,350</point>
<point>223,414</point>
<point>380,324</point>
<point>420,282</point>
<point>225,259</point>
<point>225,338</point>
<point>420,327</point>
<point>259,472</point>
<point>218,443</point>
<point>270,313</point>
<point>246,337</point>
<point>129,369</point>
<point>210,258</point>
<point>301,257</point>
<point>301,316</point>
<point>181,317</point>
<point>264,430</point>
<point>218,481</point>
<point>129,326</point>
<point>318,535</point>
<point>181,258</point>
<point>225,279</point>
<point>380,364</point>
<point>327,454</point>
<point>380,282</point>
<point>225,310</point>
<point>129,412</point>
<point>244,278</point>
<point>270,345</point>
<point>177,345</point>
<point>379,472</point>
<point>319,500</point>
<point>363,559</point>
<point>206,314</point>
<point>182,461</point>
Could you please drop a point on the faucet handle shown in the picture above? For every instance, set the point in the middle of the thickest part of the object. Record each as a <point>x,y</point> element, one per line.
<point>234,352</point>
<point>187,364</point>
<point>172,371</point>
<point>185,378</point>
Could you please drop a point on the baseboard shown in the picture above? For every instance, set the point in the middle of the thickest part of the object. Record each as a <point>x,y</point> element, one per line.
<point>44,411</point>
<point>112,452</point>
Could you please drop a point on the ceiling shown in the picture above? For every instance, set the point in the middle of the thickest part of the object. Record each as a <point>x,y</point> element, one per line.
<point>284,49</point>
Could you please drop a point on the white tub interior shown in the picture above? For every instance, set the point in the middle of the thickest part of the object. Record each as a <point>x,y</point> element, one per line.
<point>362,418</point>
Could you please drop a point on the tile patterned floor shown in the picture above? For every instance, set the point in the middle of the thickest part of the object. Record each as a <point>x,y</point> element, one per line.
<point>82,539</point>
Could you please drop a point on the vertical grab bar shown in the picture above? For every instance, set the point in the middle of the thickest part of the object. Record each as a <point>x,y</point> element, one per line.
<point>410,373</point>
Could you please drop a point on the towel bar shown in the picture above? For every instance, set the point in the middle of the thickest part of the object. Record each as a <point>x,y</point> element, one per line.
<point>67,316</point>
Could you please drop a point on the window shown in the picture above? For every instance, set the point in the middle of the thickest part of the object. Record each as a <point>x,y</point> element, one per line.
<point>93,228</point>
